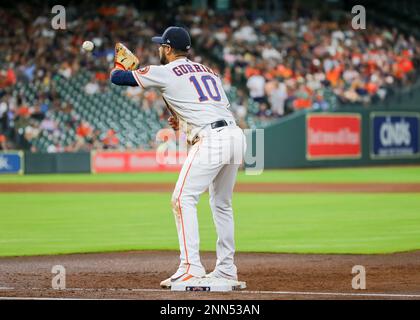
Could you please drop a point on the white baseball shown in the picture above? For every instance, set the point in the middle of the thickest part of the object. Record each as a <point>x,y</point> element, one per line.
<point>88,45</point>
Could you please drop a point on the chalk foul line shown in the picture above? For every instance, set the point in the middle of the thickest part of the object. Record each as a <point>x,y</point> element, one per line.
<point>286,293</point>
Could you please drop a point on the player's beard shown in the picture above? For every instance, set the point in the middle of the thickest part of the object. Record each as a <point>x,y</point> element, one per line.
<point>163,58</point>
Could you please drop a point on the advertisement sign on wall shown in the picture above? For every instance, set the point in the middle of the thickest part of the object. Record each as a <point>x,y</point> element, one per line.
<point>11,162</point>
<point>333,136</point>
<point>141,161</point>
<point>394,135</point>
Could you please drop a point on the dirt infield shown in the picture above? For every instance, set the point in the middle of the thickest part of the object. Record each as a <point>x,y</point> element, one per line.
<point>136,275</point>
<point>240,187</point>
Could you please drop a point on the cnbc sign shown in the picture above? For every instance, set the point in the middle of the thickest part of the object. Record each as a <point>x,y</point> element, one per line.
<point>394,135</point>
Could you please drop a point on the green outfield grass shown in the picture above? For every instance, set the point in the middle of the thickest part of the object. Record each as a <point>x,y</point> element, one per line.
<point>355,175</point>
<point>35,224</point>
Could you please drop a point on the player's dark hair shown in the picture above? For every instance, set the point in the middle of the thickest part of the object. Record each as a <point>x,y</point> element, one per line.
<point>178,52</point>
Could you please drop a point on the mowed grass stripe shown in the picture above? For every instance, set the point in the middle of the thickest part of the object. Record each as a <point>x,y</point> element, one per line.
<point>346,175</point>
<point>37,224</point>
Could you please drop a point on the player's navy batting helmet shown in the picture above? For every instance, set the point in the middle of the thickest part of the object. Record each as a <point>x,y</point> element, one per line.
<point>176,37</point>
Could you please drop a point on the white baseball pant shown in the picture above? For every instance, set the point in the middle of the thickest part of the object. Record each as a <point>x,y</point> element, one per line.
<point>212,163</point>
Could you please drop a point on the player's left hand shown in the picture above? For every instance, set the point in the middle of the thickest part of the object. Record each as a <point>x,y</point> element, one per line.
<point>173,122</point>
<point>124,58</point>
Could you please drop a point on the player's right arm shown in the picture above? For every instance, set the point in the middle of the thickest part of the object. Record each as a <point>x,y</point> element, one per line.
<point>152,77</point>
<point>147,77</point>
<point>123,78</point>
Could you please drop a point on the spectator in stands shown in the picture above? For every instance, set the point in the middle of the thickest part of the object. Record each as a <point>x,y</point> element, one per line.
<point>65,70</point>
<point>92,87</point>
<point>4,109</point>
<point>256,86</point>
<point>110,141</point>
<point>84,129</point>
<point>277,95</point>
<point>322,64</point>
<point>320,103</point>
<point>3,142</point>
<point>263,111</point>
<point>7,78</point>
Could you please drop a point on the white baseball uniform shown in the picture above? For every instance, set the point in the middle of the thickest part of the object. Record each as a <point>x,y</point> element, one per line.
<point>195,94</point>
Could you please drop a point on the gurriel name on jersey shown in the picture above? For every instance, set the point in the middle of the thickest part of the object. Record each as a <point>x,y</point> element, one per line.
<point>191,68</point>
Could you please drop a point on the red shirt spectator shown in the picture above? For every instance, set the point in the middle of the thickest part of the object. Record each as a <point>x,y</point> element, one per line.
<point>101,76</point>
<point>3,142</point>
<point>301,103</point>
<point>83,130</point>
<point>371,88</point>
<point>110,140</point>
<point>7,78</point>
<point>228,76</point>
<point>24,111</point>
<point>284,72</point>
<point>334,75</point>
<point>406,65</point>
<point>251,71</point>
<point>108,11</point>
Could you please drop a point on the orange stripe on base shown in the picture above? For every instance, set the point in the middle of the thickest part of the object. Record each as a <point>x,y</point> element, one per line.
<point>180,211</point>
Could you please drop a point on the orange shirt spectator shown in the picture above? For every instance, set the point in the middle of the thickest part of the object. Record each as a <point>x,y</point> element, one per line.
<point>284,72</point>
<point>371,66</point>
<point>397,71</point>
<point>333,75</point>
<point>11,77</point>
<point>406,53</point>
<point>402,66</point>
<point>108,11</point>
<point>406,65</point>
<point>268,75</point>
<point>301,103</point>
<point>251,71</point>
<point>227,78</point>
<point>7,78</point>
<point>23,111</point>
<point>101,76</point>
<point>371,88</point>
<point>83,130</point>
<point>3,142</point>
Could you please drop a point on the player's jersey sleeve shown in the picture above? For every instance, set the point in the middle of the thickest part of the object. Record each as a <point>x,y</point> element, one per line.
<point>152,76</point>
<point>123,78</point>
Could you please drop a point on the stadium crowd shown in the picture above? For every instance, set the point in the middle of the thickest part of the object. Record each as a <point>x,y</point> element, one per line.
<point>309,63</point>
<point>276,66</point>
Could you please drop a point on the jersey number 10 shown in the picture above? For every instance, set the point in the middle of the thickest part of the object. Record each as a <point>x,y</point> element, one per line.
<point>205,81</point>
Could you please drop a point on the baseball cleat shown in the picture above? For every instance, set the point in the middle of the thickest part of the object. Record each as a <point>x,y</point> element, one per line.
<point>167,283</point>
<point>234,282</point>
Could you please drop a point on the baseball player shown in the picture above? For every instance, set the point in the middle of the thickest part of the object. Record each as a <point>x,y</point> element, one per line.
<point>199,106</point>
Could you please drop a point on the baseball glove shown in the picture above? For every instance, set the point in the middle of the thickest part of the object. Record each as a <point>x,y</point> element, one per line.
<point>124,58</point>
